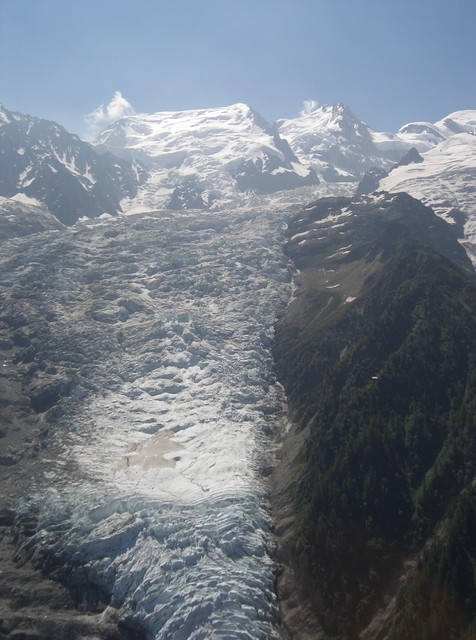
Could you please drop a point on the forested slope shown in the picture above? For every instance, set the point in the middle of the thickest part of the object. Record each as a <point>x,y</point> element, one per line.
<point>377,354</point>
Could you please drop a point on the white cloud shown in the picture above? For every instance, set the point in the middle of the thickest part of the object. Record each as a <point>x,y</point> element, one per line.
<point>103,115</point>
<point>308,106</point>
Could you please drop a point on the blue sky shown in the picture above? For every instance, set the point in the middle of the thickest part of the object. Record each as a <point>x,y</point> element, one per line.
<point>390,62</point>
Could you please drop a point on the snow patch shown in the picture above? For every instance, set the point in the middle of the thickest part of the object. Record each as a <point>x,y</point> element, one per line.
<point>21,197</point>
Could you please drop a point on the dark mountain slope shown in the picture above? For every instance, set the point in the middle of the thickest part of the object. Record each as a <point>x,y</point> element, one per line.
<point>49,165</point>
<point>377,354</point>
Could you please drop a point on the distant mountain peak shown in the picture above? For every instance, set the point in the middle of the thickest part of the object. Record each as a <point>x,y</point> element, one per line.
<point>215,157</point>
<point>333,141</point>
<point>411,157</point>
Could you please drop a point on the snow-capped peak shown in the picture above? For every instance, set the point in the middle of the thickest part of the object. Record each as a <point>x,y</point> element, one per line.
<point>227,150</point>
<point>210,131</point>
<point>332,140</point>
<point>446,177</point>
<point>458,122</point>
<point>426,135</point>
<point>324,120</point>
<point>44,163</point>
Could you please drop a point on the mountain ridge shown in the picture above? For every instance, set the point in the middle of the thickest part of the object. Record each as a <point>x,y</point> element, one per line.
<point>376,353</point>
<point>46,164</point>
<point>211,158</point>
<point>224,150</point>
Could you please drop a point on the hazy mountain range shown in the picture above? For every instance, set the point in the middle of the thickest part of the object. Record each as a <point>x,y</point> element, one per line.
<point>211,158</point>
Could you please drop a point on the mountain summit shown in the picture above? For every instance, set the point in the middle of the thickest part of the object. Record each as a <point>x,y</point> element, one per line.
<point>336,144</point>
<point>220,157</point>
<point>212,154</point>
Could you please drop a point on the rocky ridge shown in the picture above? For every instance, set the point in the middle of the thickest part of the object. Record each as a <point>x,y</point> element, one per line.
<point>42,164</point>
<point>376,353</point>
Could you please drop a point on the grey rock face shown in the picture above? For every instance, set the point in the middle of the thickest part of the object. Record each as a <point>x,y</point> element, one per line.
<point>269,175</point>
<point>371,180</point>
<point>412,157</point>
<point>53,167</point>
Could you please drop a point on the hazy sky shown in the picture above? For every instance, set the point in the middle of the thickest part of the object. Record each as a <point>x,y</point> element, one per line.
<point>390,61</point>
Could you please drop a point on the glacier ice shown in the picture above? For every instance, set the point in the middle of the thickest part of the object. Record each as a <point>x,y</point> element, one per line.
<point>151,482</point>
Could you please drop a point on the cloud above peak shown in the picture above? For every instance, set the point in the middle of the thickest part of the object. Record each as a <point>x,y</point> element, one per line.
<point>308,107</point>
<point>117,108</point>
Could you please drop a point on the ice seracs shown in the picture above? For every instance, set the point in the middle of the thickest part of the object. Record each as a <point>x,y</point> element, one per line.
<point>156,330</point>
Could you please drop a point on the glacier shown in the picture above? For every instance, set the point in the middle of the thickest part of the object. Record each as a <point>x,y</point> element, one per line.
<point>152,481</point>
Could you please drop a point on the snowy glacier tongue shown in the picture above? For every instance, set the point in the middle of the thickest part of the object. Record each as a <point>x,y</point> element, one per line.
<point>153,474</point>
